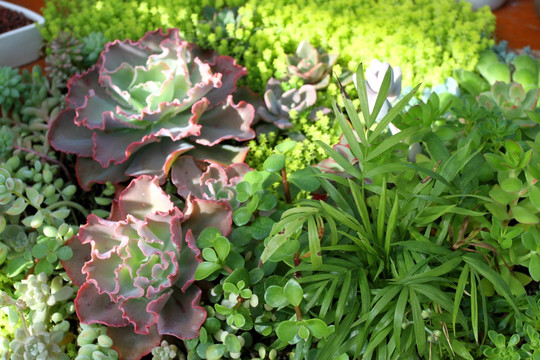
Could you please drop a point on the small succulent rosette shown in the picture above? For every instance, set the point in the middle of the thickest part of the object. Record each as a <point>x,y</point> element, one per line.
<point>146,103</point>
<point>135,270</point>
<point>311,65</point>
<point>279,104</point>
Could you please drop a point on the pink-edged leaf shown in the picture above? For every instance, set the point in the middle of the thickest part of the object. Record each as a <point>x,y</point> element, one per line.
<point>125,144</point>
<point>142,313</point>
<point>243,93</point>
<point>227,121</point>
<point>67,137</point>
<point>190,257</point>
<point>101,234</point>
<point>119,52</point>
<point>73,266</point>
<point>95,308</point>
<point>90,171</point>
<point>185,175</point>
<point>102,272</point>
<point>201,214</point>
<point>221,154</point>
<point>156,159</point>
<point>182,316</point>
<point>130,345</point>
<point>144,196</point>
<point>79,86</point>
<point>231,72</point>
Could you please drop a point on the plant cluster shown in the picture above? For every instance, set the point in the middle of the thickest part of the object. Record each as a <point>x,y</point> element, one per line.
<point>386,227</point>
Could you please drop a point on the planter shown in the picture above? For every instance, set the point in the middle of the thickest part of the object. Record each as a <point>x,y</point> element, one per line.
<point>21,46</point>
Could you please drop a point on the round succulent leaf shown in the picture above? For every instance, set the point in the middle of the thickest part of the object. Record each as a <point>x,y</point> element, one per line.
<point>293,292</point>
<point>275,297</point>
<point>317,327</point>
<point>305,179</point>
<point>229,288</point>
<point>210,255</point>
<point>256,275</point>
<point>40,250</point>
<point>241,236</point>
<point>274,162</point>
<point>529,241</point>
<point>511,185</point>
<point>237,276</point>
<point>212,325</point>
<point>239,320</point>
<point>303,332</point>
<point>242,216</point>
<point>43,266</point>
<point>205,269</point>
<point>17,265</point>
<point>534,196</point>
<point>207,236</point>
<point>261,227</point>
<point>64,253</point>
<point>286,331</point>
<point>51,258</point>
<point>232,343</point>
<point>267,202</point>
<point>524,215</point>
<point>235,260</point>
<point>253,203</point>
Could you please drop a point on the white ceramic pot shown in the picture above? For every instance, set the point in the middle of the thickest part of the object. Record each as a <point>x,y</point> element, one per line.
<point>493,4</point>
<point>22,45</point>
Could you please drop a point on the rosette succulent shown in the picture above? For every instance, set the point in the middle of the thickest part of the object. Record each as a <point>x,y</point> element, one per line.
<point>135,270</point>
<point>511,99</point>
<point>147,102</point>
<point>279,104</point>
<point>311,65</point>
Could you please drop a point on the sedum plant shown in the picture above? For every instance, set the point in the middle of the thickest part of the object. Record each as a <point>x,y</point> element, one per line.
<point>135,270</point>
<point>147,102</point>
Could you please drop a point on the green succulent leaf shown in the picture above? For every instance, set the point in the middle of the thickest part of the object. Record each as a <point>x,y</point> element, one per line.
<point>293,292</point>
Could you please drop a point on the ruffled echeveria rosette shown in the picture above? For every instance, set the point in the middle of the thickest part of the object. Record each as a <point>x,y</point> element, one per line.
<point>207,180</point>
<point>145,103</point>
<point>136,269</point>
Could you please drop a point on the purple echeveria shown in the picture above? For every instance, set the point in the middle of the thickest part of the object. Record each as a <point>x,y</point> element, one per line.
<point>135,270</point>
<point>145,103</point>
<point>311,65</point>
<point>279,104</point>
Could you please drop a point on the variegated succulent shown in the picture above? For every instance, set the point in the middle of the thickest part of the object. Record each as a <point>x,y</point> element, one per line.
<point>279,104</point>
<point>147,102</point>
<point>135,270</point>
<point>312,65</point>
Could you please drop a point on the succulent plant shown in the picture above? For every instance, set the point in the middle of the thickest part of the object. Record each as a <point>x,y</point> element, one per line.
<point>93,44</point>
<point>145,103</point>
<point>166,352</point>
<point>94,343</point>
<point>511,99</point>
<point>374,78</point>
<point>135,270</point>
<point>40,295</point>
<point>207,180</point>
<point>221,18</point>
<point>11,89</point>
<point>36,343</point>
<point>65,58</point>
<point>312,65</point>
<point>279,104</point>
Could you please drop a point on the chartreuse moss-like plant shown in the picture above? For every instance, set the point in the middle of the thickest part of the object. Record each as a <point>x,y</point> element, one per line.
<point>147,102</point>
<point>135,270</point>
<point>428,38</point>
